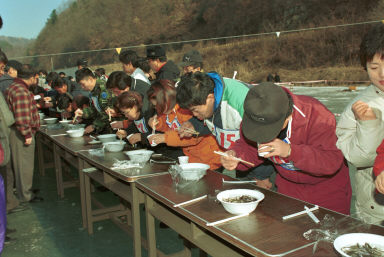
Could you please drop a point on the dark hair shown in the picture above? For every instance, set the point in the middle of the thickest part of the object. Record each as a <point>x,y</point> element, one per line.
<point>43,71</point>
<point>196,65</point>
<point>119,79</point>
<point>64,101</point>
<point>164,93</point>
<point>69,77</point>
<point>61,73</point>
<point>99,72</point>
<point>80,100</point>
<point>58,83</point>
<point>51,77</point>
<point>144,65</point>
<point>129,56</point>
<point>129,100</point>
<point>36,90</point>
<point>3,57</point>
<point>26,72</point>
<point>290,104</point>
<point>1,22</point>
<point>82,62</point>
<point>371,44</point>
<point>193,89</point>
<point>84,73</point>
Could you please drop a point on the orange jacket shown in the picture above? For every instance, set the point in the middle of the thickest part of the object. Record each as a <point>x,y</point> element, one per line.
<point>198,149</point>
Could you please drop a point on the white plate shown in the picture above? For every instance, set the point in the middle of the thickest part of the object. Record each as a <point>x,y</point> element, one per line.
<point>361,238</point>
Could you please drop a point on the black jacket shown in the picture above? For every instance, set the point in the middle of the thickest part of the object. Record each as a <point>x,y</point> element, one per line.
<point>169,71</point>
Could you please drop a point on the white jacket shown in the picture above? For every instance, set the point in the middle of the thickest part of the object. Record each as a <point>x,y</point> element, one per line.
<point>358,140</point>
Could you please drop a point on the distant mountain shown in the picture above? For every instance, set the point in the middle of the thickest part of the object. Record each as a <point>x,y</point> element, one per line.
<point>15,46</point>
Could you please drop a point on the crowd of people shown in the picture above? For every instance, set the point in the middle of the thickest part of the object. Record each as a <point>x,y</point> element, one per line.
<point>293,141</point>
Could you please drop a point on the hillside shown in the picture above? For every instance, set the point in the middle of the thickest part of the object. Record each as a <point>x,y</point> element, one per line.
<point>14,46</point>
<point>102,24</point>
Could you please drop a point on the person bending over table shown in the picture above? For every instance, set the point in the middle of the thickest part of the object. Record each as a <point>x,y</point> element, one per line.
<point>297,133</point>
<point>162,94</point>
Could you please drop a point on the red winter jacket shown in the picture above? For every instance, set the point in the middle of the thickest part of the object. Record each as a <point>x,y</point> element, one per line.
<point>321,176</point>
<point>378,166</point>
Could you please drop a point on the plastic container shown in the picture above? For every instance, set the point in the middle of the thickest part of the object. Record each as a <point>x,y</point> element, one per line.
<point>193,171</point>
<point>116,146</point>
<point>107,138</point>
<point>139,156</point>
<point>75,132</point>
<point>50,120</point>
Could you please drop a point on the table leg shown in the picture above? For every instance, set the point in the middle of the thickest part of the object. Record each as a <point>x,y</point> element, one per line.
<point>82,192</point>
<point>57,160</point>
<point>135,210</point>
<point>88,203</point>
<point>40,155</point>
<point>150,222</point>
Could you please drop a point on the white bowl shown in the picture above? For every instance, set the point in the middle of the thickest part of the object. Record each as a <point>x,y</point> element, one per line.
<point>139,156</point>
<point>42,115</point>
<point>351,239</point>
<point>240,208</point>
<point>50,120</point>
<point>116,146</point>
<point>75,132</point>
<point>107,138</point>
<point>193,171</point>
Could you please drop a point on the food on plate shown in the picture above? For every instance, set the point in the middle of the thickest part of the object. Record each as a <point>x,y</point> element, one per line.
<point>362,250</point>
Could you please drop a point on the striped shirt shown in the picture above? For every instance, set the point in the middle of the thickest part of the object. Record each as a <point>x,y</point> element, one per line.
<point>21,103</point>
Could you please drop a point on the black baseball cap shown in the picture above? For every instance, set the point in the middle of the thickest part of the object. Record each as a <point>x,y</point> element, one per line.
<point>154,52</point>
<point>190,58</point>
<point>82,62</point>
<point>265,110</point>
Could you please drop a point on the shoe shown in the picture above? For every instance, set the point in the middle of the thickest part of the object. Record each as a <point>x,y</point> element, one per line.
<point>10,231</point>
<point>36,199</point>
<point>18,209</point>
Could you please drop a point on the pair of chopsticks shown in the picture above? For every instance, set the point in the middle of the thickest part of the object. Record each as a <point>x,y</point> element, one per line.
<point>190,131</point>
<point>210,224</point>
<point>190,201</point>
<point>237,159</point>
<point>238,181</point>
<point>306,211</point>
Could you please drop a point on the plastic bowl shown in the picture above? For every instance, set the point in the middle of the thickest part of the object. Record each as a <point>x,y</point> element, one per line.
<point>50,120</point>
<point>75,132</point>
<point>240,208</point>
<point>116,146</point>
<point>107,138</point>
<point>139,156</point>
<point>193,171</point>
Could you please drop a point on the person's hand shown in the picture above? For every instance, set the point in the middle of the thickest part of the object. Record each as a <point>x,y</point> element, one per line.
<point>135,138</point>
<point>47,99</point>
<point>79,113</point>
<point>265,183</point>
<point>111,111</point>
<point>184,128</point>
<point>276,147</point>
<point>152,122</point>
<point>28,141</point>
<point>121,133</point>
<point>117,124</point>
<point>89,129</point>
<point>363,111</point>
<point>229,162</point>
<point>157,138</point>
<point>379,183</point>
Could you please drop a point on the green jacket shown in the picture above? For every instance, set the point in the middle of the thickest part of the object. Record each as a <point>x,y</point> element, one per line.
<point>100,99</point>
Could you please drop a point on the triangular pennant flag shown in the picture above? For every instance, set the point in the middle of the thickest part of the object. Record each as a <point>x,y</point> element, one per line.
<point>118,50</point>
<point>277,34</point>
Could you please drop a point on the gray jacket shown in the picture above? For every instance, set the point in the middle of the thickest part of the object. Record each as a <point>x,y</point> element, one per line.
<point>5,82</point>
<point>6,121</point>
<point>358,140</point>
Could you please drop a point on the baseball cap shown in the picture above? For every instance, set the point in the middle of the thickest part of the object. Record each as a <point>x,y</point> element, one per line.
<point>265,111</point>
<point>82,62</point>
<point>154,52</point>
<point>190,58</point>
<point>14,64</point>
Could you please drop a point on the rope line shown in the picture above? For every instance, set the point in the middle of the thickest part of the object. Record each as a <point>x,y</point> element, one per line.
<point>204,39</point>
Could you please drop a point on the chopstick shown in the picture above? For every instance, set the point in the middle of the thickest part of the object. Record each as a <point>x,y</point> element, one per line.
<point>225,220</point>
<point>316,207</point>
<point>154,125</point>
<point>74,119</point>
<point>109,115</point>
<point>190,201</point>
<point>191,131</point>
<point>239,182</point>
<point>237,159</point>
<point>311,215</point>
